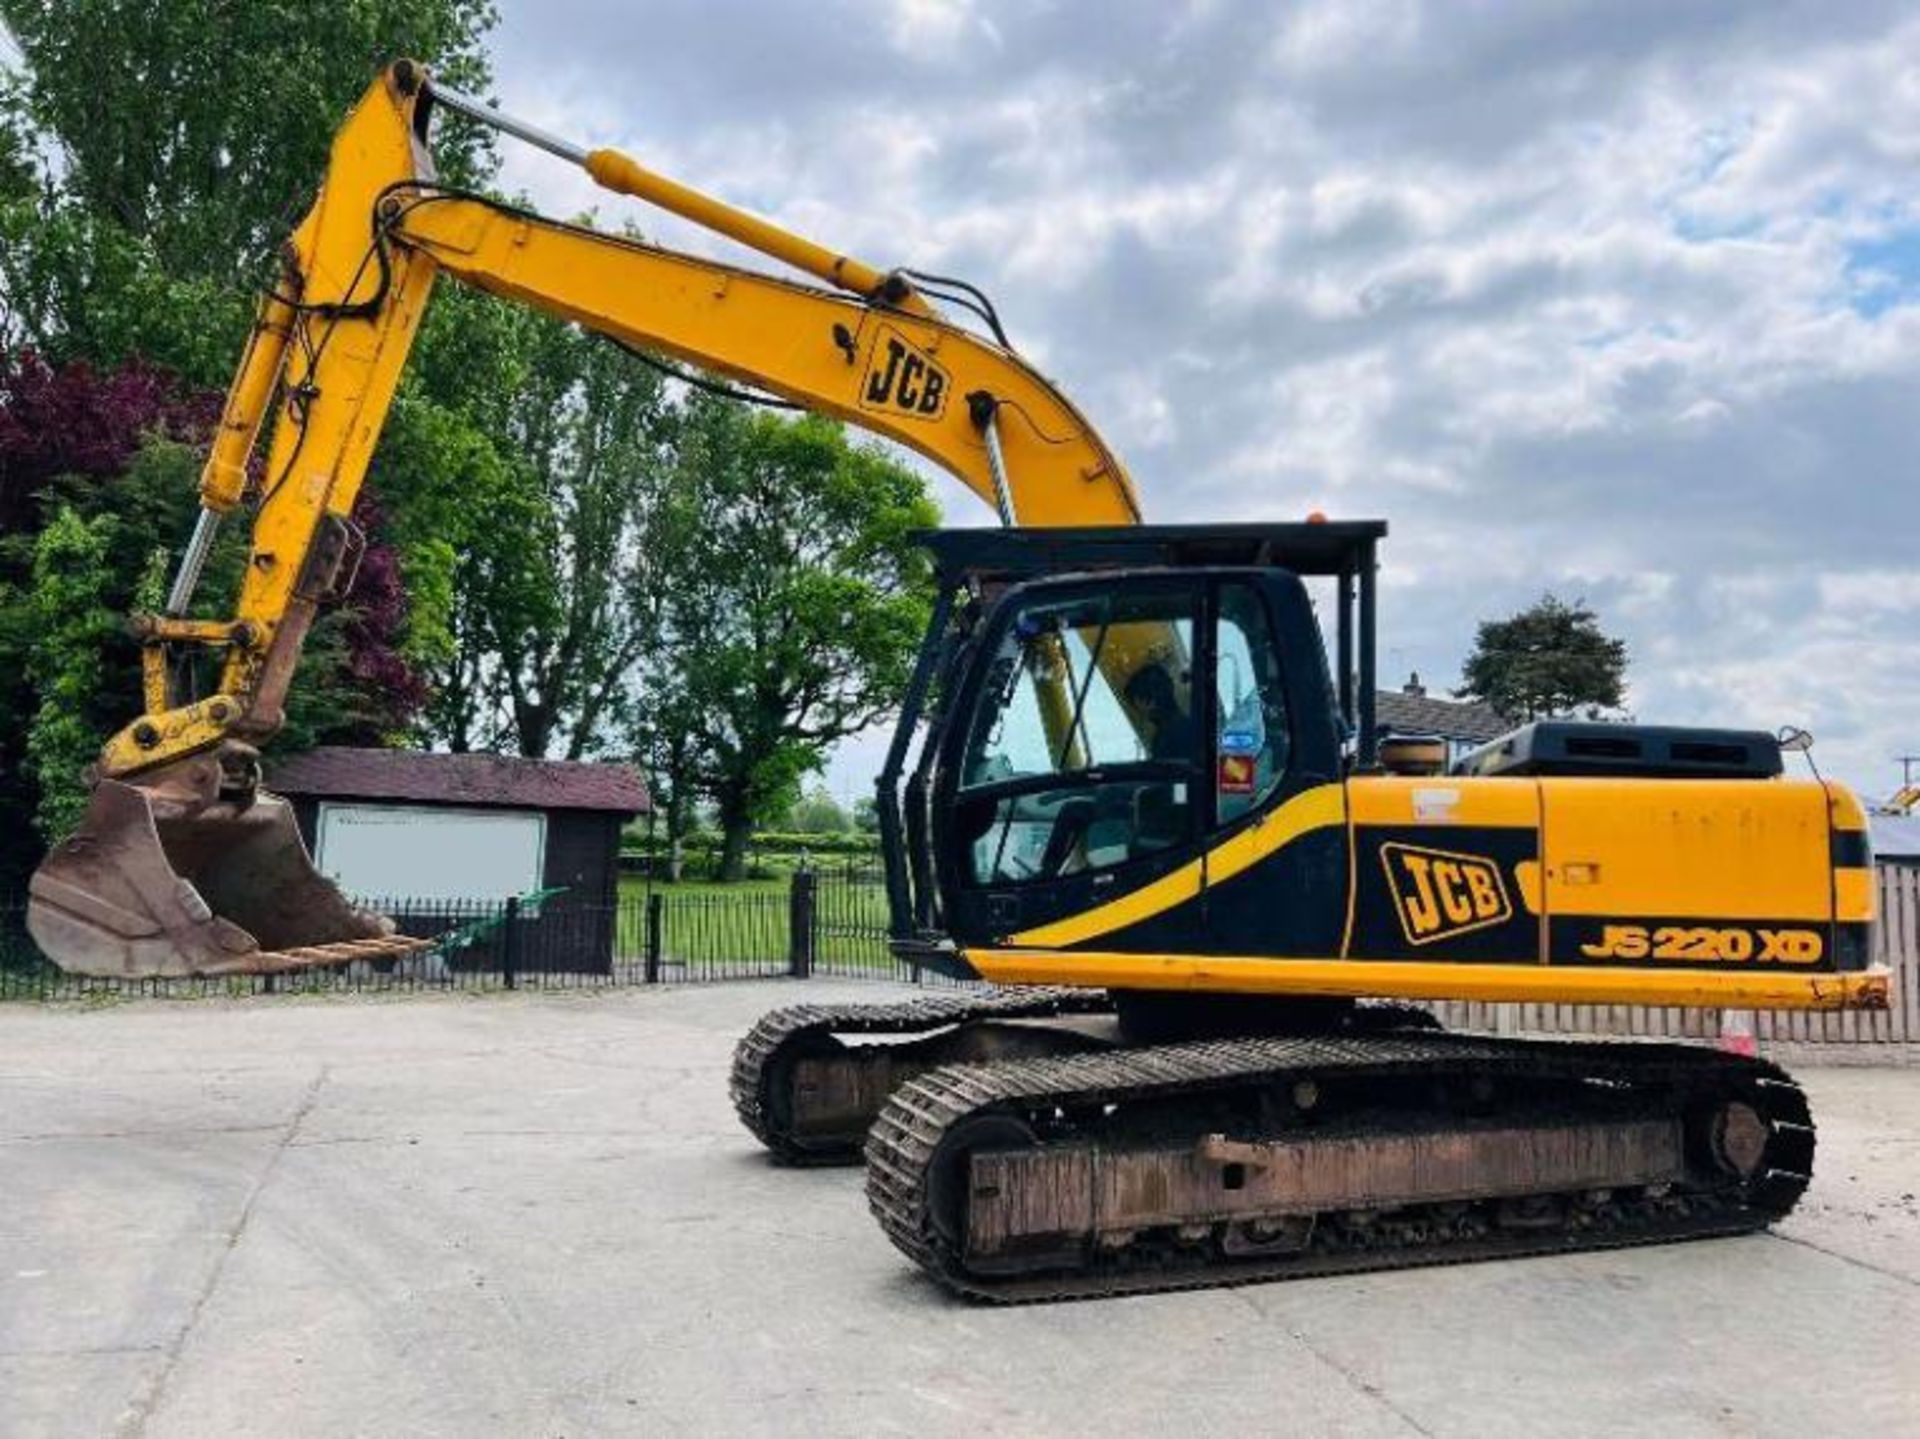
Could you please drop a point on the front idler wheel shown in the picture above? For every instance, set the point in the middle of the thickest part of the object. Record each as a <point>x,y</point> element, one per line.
<point>950,1173</point>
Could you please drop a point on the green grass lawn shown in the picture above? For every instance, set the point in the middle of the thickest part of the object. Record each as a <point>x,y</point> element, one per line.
<point>747,924</point>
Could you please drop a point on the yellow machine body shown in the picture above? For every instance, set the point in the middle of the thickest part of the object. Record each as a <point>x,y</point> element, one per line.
<point>1749,894</point>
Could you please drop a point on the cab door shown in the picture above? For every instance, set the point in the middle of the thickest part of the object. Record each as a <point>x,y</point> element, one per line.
<point>1274,863</point>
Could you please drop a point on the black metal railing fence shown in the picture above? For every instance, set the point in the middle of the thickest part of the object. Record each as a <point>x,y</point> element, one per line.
<point>832,922</point>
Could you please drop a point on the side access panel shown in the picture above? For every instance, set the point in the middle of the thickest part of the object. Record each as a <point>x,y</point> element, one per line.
<point>1688,873</point>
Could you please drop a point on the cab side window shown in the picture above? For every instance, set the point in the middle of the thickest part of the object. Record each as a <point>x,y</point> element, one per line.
<point>1251,743</point>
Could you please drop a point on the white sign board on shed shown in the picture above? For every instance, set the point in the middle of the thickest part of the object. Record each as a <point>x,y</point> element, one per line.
<point>390,851</point>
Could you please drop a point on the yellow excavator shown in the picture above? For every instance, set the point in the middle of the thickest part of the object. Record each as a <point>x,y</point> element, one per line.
<point>1127,789</point>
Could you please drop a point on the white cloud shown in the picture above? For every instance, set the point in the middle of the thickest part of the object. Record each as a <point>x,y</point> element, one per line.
<point>1568,291</point>
<point>917,27</point>
<point>1346,33</point>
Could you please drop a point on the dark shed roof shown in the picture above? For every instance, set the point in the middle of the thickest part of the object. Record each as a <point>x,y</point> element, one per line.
<point>504,781</point>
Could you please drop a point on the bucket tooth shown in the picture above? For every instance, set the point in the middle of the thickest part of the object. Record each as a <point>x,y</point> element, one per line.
<point>148,887</point>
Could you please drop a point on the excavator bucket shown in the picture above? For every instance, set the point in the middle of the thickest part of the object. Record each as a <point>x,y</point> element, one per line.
<point>149,888</point>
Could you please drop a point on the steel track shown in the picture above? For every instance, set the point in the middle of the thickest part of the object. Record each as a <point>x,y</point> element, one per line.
<point>784,1033</point>
<point>905,1139</point>
<point>759,1057</point>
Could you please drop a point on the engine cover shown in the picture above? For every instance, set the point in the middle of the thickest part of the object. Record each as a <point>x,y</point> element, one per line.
<point>1572,747</point>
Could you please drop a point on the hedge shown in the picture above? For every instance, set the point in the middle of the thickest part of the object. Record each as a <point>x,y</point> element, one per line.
<point>705,842</point>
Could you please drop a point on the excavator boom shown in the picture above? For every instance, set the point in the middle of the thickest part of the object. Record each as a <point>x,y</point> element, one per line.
<point>182,864</point>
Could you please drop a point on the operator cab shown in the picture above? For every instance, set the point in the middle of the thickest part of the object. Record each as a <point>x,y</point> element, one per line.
<point>1111,703</point>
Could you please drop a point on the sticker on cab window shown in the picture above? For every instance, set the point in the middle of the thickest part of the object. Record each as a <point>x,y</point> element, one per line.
<point>1236,774</point>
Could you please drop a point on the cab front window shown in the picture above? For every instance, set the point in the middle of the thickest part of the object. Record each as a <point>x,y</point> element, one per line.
<point>1085,744</point>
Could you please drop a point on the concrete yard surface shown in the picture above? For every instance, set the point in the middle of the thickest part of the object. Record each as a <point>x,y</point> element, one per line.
<point>535,1214</point>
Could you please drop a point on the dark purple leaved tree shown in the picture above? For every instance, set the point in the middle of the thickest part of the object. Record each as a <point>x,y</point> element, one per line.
<point>75,421</point>
<point>374,627</point>
<point>77,431</point>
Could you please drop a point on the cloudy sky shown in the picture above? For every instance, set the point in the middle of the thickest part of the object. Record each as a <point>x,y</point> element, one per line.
<point>1620,299</point>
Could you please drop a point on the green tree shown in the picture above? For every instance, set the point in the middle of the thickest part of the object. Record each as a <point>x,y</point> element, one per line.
<point>153,498</point>
<point>866,814</point>
<point>818,812</point>
<point>1549,659</point>
<point>181,140</point>
<point>529,483</point>
<point>200,128</point>
<point>71,627</point>
<point>73,286</point>
<point>68,439</point>
<point>790,601</point>
<point>456,503</point>
<point>19,172</point>
<point>154,153</point>
<point>568,597</point>
<point>665,732</point>
<point>460,499</point>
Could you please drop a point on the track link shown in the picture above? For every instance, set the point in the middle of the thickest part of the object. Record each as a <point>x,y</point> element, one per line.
<point>761,1055</point>
<point>906,1138</point>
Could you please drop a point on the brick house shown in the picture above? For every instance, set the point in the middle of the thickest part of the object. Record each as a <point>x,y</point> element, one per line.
<point>1463,724</point>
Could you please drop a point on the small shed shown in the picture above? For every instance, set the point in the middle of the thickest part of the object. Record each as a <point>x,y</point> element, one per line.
<point>434,832</point>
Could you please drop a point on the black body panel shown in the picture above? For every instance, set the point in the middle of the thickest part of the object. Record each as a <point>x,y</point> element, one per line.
<point>1401,912</point>
<point>1013,555</point>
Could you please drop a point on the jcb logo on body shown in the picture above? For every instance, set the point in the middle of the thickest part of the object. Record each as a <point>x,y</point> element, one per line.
<point>903,379</point>
<point>1440,894</point>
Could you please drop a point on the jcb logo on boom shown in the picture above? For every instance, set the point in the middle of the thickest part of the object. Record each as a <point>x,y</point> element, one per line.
<point>903,379</point>
<point>1440,894</point>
